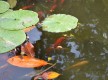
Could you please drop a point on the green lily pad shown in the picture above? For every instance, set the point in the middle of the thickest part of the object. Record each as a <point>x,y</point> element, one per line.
<point>24,18</point>
<point>59,23</point>
<point>5,12</point>
<point>10,23</point>
<point>4,6</point>
<point>10,39</point>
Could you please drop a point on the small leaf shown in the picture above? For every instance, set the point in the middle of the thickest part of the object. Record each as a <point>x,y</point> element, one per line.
<point>50,75</point>
<point>26,62</point>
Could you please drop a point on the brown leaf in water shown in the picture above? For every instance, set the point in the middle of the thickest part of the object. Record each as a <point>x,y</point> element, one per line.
<point>28,29</point>
<point>26,62</point>
<point>28,49</point>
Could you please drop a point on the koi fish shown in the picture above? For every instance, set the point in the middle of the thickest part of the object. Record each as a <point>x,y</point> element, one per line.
<point>27,7</point>
<point>41,14</point>
<point>56,44</point>
<point>28,49</point>
<point>78,64</point>
<point>62,1</point>
<point>53,8</point>
<point>58,41</point>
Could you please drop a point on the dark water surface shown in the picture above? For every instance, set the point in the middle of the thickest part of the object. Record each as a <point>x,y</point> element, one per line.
<point>90,42</point>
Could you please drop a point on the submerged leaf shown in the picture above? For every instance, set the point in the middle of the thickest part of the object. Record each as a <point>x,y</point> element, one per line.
<point>20,18</point>
<point>4,6</point>
<point>26,62</point>
<point>28,49</point>
<point>59,23</point>
<point>10,39</point>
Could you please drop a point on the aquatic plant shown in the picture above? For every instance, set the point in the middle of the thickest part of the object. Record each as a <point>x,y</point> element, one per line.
<point>12,24</point>
<point>59,23</point>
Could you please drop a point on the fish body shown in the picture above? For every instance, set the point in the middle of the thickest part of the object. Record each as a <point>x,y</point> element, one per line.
<point>58,41</point>
<point>56,44</point>
<point>78,64</point>
<point>41,14</point>
<point>62,1</point>
<point>53,7</point>
<point>27,7</point>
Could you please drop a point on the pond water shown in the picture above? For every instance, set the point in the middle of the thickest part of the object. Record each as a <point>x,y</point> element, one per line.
<point>90,42</point>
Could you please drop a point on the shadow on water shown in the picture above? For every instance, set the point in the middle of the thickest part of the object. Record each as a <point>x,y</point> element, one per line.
<point>90,42</point>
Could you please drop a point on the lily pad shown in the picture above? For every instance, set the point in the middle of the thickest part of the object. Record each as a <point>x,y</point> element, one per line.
<point>59,23</point>
<point>5,12</point>
<point>4,6</point>
<point>24,18</point>
<point>10,39</point>
<point>6,23</point>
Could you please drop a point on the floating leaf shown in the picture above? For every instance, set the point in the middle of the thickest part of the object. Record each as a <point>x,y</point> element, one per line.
<point>26,62</point>
<point>50,75</point>
<point>10,39</point>
<point>29,29</point>
<point>20,18</point>
<point>6,23</point>
<point>6,12</point>
<point>59,23</point>
<point>4,6</point>
<point>28,49</point>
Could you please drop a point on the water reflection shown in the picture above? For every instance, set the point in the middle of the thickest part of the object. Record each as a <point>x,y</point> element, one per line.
<point>90,42</point>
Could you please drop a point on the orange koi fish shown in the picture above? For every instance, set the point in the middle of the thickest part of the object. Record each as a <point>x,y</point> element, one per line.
<point>62,1</point>
<point>78,64</point>
<point>58,41</point>
<point>53,7</point>
<point>41,14</point>
<point>27,7</point>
